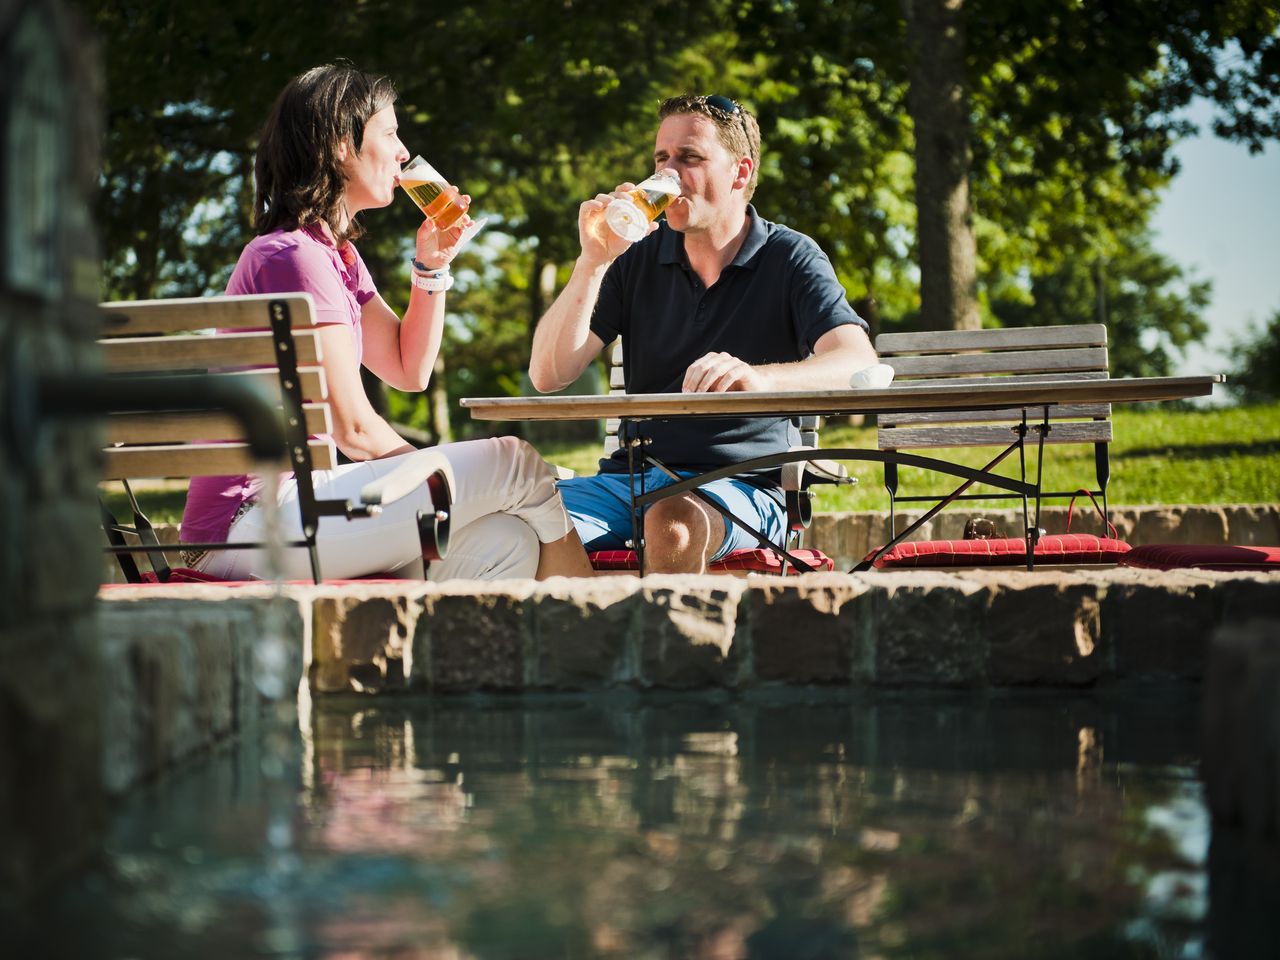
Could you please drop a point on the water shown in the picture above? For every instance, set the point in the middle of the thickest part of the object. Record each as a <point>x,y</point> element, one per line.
<point>909,825</point>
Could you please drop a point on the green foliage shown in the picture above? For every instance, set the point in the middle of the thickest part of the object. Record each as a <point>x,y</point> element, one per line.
<point>531,108</point>
<point>1150,310</point>
<point>1255,377</point>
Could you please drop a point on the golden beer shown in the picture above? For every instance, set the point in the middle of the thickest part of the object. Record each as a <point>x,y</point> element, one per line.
<point>630,216</point>
<point>433,195</point>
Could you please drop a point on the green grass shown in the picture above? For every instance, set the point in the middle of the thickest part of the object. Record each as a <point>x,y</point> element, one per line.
<point>1223,455</point>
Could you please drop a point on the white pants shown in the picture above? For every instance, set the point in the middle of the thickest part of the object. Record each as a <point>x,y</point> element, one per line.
<point>504,504</point>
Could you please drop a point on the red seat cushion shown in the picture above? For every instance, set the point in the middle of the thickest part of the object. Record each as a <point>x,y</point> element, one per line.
<point>736,561</point>
<point>1170,556</point>
<point>1003,551</point>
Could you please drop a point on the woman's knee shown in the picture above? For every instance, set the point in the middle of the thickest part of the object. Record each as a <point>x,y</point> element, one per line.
<point>525,458</point>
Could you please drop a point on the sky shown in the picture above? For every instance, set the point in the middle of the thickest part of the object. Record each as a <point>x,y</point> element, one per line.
<point>1220,220</point>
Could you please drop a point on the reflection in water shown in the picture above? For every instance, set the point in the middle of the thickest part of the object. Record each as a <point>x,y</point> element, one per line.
<point>910,825</point>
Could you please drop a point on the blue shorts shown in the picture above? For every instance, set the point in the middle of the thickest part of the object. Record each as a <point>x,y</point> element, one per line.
<point>600,508</point>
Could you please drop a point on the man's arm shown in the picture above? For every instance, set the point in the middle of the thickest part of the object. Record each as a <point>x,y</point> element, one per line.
<point>563,343</point>
<point>837,355</point>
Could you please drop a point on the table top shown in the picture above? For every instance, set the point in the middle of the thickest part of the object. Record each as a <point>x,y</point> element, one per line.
<point>901,397</point>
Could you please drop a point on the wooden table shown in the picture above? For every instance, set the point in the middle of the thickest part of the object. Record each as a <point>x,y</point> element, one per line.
<point>902,397</point>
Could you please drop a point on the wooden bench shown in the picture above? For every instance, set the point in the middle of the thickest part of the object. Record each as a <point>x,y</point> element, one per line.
<point>264,343</point>
<point>983,357</point>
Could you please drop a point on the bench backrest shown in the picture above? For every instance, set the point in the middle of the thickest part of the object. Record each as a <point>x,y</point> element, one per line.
<point>977,357</point>
<point>225,336</point>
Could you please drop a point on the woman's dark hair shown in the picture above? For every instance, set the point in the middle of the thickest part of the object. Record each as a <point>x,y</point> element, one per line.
<point>299,178</point>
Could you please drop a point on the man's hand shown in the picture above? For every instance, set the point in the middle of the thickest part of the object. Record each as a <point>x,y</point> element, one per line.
<point>721,373</point>
<point>600,244</point>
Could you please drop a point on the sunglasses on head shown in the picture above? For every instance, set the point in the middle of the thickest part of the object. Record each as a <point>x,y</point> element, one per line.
<point>730,108</point>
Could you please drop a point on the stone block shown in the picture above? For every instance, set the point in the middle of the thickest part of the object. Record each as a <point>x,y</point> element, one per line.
<point>180,668</point>
<point>1180,524</point>
<point>924,627</point>
<point>1253,524</point>
<point>1241,759</point>
<point>686,631</point>
<point>1158,623</point>
<point>582,632</point>
<point>804,629</point>
<point>1244,597</point>
<point>475,637</point>
<point>362,638</point>
<point>1043,627</point>
<point>61,562</point>
<point>845,537</point>
<point>52,805</point>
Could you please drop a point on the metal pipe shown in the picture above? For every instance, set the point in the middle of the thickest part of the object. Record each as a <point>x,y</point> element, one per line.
<point>88,395</point>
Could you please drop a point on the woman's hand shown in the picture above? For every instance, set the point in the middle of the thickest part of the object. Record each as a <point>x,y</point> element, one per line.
<point>436,248</point>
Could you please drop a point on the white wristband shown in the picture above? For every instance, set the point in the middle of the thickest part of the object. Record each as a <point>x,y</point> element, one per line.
<point>433,284</point>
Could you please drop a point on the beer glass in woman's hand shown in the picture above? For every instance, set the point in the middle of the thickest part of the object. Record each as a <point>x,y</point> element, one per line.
<point>437,200</point>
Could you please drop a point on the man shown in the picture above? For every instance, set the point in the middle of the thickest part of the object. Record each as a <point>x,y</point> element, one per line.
<point>715,299</point>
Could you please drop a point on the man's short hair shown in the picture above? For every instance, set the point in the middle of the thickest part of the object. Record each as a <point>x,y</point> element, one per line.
<point>738,129</point>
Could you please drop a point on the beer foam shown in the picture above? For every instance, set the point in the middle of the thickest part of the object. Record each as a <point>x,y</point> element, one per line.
<point>661,183</point>
<point>419,171</point>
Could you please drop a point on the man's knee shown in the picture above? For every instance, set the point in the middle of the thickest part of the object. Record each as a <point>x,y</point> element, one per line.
<point>683,525</point>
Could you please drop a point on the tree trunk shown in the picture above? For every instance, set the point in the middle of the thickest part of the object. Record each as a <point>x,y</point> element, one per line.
<point>939,103</point>
<point>542,291</point>
<point>438,399</point>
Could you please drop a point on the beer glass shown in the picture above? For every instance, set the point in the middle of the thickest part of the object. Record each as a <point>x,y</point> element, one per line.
<point>432,193</point>
<point>436,199</point>
<point>630,216</point>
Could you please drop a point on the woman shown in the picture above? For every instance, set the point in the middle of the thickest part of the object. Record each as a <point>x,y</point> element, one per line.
<point>329,150</point>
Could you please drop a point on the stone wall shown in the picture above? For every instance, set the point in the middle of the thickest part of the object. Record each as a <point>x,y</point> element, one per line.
<point>51,809</point>
<point>976,629</point>
<point>848,537</point>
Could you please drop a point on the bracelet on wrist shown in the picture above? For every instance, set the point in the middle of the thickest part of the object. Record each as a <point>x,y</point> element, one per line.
<point>433,284</point>
<point>422,269</point>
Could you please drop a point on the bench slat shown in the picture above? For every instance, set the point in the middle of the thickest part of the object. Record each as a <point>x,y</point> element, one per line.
<point>197,460</point>
<point>151,428</point>
<point>203,352</point>
<point>1006,338</point>
<point>1030,361</point>
<point>314,385</point>
<point>1077,411</point>
<point>917,438</point>
<point>1010,378</point>
<point>129,317</point>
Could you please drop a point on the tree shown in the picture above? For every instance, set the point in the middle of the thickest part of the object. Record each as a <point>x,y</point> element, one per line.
<point>940,111</point>
<point>1087,87</point>
<point>1151,310</point>
<point>1256,375</point>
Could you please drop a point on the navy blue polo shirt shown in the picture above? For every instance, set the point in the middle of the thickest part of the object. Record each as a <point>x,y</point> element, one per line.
<point>770,305</point>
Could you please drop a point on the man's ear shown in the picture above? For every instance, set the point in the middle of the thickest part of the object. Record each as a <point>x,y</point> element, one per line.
<point>743,176</point>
